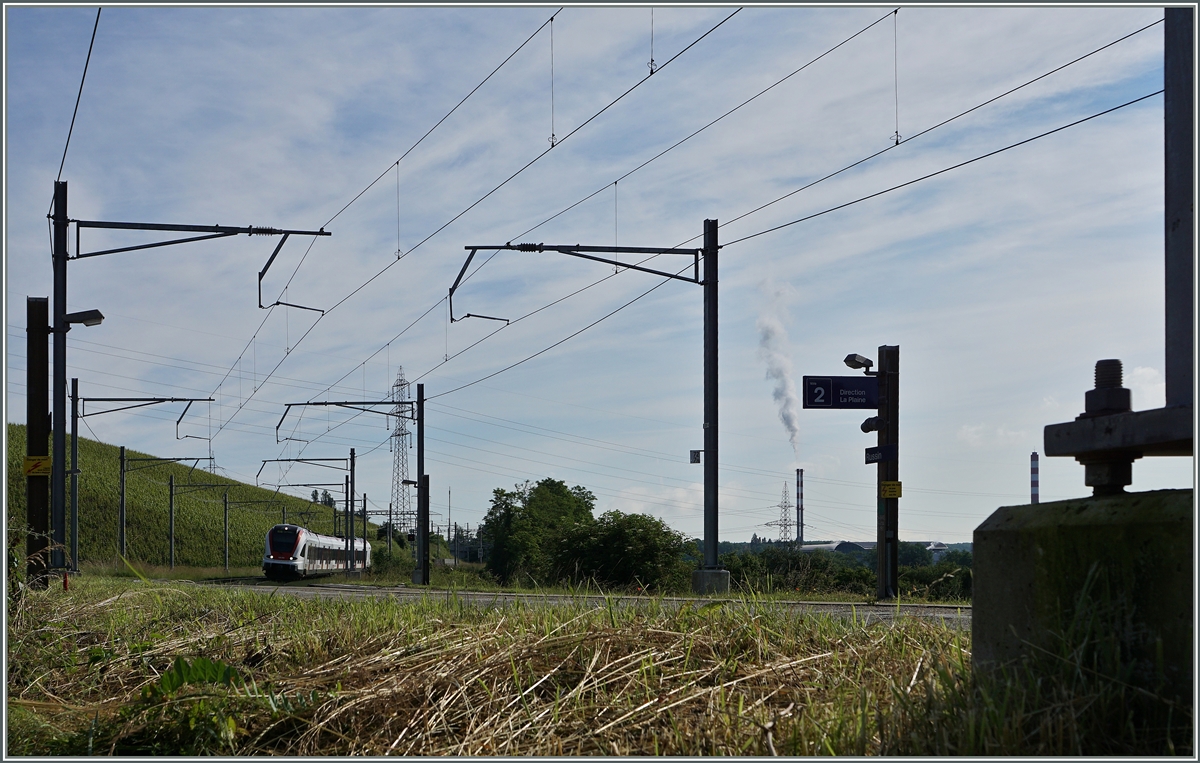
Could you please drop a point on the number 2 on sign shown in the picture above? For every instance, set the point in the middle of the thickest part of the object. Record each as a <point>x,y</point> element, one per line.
<point>818,395</point>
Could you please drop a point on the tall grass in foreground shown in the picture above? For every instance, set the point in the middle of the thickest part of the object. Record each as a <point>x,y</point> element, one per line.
<point>124,667</point>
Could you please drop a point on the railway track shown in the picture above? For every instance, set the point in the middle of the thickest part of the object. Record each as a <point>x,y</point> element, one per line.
<point>952,615</point>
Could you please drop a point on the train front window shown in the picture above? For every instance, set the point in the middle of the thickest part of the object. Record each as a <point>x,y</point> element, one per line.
<point>283,540</point>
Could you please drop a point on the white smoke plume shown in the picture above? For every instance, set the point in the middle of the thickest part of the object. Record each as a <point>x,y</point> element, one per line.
<point>773,349</point>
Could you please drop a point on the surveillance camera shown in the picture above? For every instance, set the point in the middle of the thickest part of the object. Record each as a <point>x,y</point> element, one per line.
<point>872,424</point>
<point>858,361</point>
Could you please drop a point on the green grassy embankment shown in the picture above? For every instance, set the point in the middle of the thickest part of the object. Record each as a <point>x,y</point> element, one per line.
<point>199,512</point>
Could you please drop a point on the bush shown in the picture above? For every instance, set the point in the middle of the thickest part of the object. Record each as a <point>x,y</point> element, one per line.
<point>939,582</point>
<point>633,551</point>
<point>397,564</point>
<point>783,569</point>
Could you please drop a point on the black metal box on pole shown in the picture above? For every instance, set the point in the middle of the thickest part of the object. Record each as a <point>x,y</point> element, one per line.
<point>37,480</point>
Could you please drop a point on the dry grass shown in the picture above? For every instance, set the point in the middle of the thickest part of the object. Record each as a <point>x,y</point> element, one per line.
<point>379,677</point>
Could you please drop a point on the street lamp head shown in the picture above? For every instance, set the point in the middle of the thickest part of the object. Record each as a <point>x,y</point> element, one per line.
<point>86,317</point>
<point>858,361</point>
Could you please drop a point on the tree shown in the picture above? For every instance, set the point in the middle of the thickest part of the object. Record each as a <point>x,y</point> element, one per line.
<point>522,524</point>
<point>325,499</point>
<point>913,555</point>
<point>397,536</point>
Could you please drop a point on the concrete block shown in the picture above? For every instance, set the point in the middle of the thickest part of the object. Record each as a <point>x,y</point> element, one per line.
<point>710,581</point>
<point>1032,564</point>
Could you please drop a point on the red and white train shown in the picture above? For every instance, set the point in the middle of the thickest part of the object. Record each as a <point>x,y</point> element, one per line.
<point>295,552</point>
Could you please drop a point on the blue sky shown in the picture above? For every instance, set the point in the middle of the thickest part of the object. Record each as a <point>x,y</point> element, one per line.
<point>1002,281</point>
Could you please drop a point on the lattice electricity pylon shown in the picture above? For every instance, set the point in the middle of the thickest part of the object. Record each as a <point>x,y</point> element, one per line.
<point>784,523</point>
<point>405,517</point>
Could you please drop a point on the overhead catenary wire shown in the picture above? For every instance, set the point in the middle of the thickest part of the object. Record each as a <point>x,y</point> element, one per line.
<point>794,222</point>
<point>943,123</point>
<point>944,169</point>
<point>685,139</point>
<point>543,153</point>
<point>383,270</point>
<point>819,180</point>
<point>809,185</point>
<point>78,97</point>
<point>395,165</point>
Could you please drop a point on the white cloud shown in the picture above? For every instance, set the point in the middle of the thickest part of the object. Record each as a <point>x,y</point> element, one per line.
<point>1147,387</point>
<point>971,434</point>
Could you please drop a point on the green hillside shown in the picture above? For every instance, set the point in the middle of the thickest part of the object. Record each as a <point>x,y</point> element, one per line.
<point>199,513</point>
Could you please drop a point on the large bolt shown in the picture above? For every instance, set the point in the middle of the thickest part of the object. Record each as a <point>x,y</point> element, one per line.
<point>1107,473</point>
<point>1108,396</point>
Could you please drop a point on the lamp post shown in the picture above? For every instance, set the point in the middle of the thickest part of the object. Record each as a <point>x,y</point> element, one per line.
<point>62,324</point>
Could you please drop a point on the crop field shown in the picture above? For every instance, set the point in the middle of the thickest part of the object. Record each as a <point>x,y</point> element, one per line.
<point>127,667</point>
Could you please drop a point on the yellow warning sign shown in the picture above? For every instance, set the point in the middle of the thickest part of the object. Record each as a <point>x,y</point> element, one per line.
<point>889,489</point>
<point>37,466</point>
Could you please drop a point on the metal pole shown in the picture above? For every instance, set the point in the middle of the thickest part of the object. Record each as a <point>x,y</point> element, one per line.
<point>1180,216</point>
<point>121,506</point>
<point>350,513</point>
<point>710,394</point>
<point>37,498</point>
<point>58,460</point>
<point>346,523</point>
<point>74,475</point>
<point>887,542</point>
<point>171,514</point>
<point>421,573</point>
<point>227,531</point>
<point>366,540</point>
<point>389,529</point>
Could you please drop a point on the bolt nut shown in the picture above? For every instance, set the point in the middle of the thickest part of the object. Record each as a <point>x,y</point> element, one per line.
<point>1108,477</point>
<point>1101,402</point>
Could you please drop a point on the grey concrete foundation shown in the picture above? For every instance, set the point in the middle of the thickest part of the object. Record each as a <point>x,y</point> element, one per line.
<point>710,581</point>
<point>1134,554</point>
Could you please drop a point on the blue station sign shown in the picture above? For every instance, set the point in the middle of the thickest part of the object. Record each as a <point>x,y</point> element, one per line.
<point>841,392</point>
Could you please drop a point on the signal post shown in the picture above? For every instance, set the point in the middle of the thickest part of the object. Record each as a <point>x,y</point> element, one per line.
<point>879,390</point>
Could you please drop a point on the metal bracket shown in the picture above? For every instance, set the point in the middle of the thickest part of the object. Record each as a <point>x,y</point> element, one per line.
<point>351,404</point>
<point>457,281</point>
<point>578,251</point>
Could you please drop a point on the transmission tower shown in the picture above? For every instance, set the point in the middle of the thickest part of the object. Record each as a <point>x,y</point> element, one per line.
<point>784,523</point>
<point>405,517</point>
